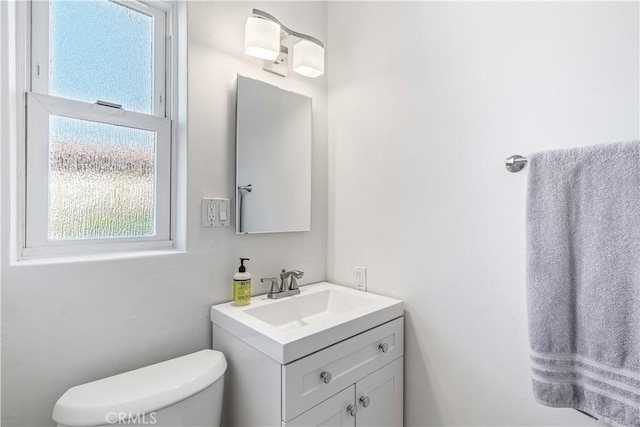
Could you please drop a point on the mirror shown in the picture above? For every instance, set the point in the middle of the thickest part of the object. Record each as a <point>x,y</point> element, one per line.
<point>273,159</point>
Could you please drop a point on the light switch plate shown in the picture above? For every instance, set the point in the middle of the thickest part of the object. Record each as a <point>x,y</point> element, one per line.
<point>216,212</point>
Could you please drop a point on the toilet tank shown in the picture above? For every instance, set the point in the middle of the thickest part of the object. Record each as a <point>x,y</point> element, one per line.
<point>186,391</point>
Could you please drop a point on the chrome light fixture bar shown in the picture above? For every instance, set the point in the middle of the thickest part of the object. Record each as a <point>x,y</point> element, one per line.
<point>268,39</point>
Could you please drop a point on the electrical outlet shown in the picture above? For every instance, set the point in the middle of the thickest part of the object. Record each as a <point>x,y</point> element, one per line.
<point>361,278</point>
<point>208,212</point>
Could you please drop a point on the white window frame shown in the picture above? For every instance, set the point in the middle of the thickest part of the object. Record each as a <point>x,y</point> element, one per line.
<point>40,105</point>
<point>40,48</point>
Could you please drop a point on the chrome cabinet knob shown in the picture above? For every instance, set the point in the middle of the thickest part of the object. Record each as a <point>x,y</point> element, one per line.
<point>364,401</point>
<point>326,377</point>
<point>352,410</point>
<point>384,347</point>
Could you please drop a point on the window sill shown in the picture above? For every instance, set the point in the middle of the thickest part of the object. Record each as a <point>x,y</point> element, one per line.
<point>94,257</point>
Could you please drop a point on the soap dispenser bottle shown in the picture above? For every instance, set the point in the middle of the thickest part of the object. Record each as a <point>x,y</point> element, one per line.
<point>242,285</point>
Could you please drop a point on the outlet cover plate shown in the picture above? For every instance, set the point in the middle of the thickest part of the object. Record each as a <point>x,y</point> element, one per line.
<point>215,212</point>
<point>361,278</point>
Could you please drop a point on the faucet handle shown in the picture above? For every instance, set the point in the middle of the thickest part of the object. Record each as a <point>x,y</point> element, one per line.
<point>274,284</point>
<point>295,275</point>
<point>284,276</point>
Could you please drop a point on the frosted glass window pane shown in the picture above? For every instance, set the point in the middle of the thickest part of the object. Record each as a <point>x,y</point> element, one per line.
<point>100,50</point>
<point>101,180</point>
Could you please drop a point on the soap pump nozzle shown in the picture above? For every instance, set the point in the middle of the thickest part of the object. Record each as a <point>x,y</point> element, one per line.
<point>242,268</point>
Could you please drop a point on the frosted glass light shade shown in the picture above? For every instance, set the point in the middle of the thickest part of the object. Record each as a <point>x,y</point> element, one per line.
<point>308,58</point>
<point>262,38</point>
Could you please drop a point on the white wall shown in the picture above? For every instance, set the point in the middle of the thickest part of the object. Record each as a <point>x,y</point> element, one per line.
<point>67,324</point>
<point>426,100</point>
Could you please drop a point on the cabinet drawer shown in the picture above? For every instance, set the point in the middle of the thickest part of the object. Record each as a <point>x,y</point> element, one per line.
<point>346,362</point>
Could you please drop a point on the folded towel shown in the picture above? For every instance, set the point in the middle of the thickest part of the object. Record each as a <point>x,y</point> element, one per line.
<point>583,280</point>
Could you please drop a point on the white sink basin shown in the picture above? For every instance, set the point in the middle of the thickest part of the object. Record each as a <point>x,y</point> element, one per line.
<point>292,327</point>
<point>310,308</point>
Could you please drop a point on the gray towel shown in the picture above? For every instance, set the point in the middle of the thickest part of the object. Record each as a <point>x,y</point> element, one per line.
<point>583,280</point>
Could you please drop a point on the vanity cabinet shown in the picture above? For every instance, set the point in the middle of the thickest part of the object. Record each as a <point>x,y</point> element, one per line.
<point>377,400</point>
<point>355,382</point>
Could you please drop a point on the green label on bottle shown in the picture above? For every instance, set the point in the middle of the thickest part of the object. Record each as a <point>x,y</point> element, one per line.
<point>241,291</point>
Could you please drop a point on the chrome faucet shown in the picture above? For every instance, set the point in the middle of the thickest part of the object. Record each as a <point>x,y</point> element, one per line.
<point>288,284</point>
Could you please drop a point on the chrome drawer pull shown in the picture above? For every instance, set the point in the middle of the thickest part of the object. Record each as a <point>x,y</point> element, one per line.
<point>364,401</point>
<point>352,410</point>
<point>384,347</point>
<point>326,377</point>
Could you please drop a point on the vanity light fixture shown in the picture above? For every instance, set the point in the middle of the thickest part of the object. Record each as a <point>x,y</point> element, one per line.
<point>268,39</point>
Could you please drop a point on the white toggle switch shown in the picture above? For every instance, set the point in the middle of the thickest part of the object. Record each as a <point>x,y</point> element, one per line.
<point>223,212</point>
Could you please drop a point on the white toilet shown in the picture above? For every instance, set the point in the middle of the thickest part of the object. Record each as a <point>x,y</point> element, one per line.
<point>186,391</point>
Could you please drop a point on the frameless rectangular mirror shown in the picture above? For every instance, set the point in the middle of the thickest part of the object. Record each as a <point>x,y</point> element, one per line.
<point>273,159</point>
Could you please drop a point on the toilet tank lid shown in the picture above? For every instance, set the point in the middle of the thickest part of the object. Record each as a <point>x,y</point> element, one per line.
<point>140,391</point>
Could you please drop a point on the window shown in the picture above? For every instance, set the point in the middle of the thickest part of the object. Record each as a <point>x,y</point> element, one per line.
<point>99,133</point>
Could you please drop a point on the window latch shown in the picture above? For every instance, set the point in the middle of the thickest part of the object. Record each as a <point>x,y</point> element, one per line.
<point>109,104</point>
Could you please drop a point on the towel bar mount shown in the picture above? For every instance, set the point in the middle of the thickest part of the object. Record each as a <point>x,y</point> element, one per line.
<point>515,163</point>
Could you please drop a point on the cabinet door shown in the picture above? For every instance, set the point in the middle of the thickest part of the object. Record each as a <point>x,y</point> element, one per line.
<point>330,413</point>
<point>379,397</point>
